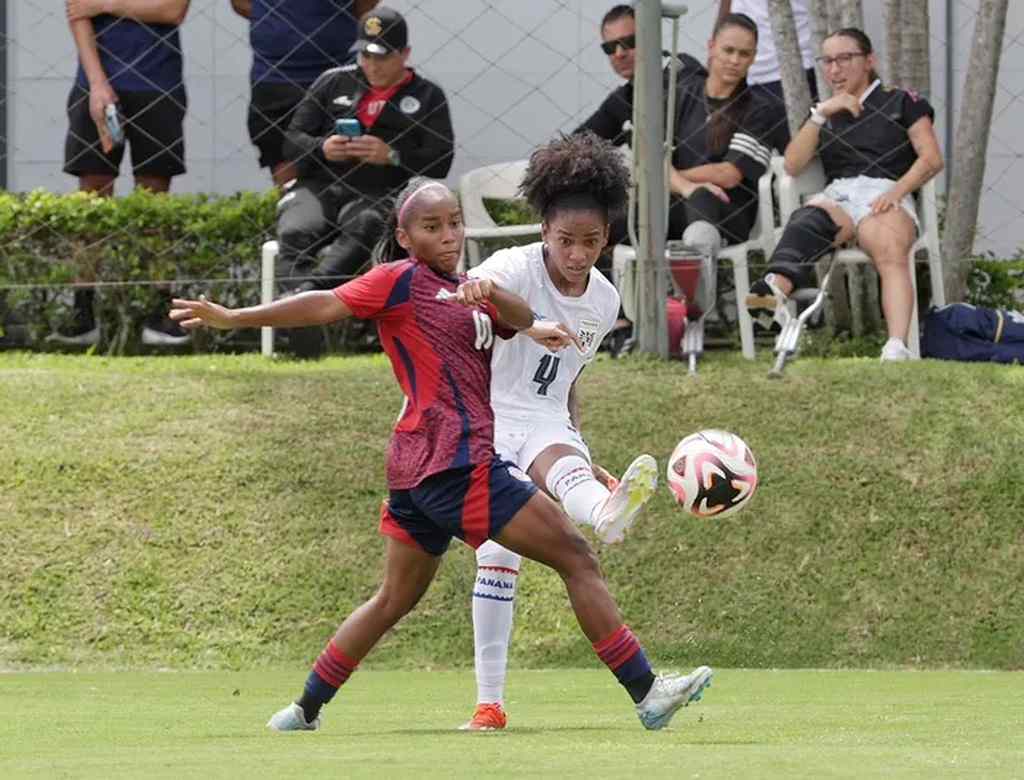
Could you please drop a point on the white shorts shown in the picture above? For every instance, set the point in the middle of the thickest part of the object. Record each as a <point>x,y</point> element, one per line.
<point>854,196</point>
<point>521,442</point>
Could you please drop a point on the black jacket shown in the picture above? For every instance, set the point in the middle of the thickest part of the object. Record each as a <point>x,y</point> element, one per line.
<point>415,122</point>
<point>613,119</point>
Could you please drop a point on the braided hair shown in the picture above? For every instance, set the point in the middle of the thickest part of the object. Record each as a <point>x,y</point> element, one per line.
<point>576,172</point>
<point>724,122</point>
<point>388,249</point>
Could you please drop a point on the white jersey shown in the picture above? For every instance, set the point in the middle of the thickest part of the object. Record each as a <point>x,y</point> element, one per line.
<point>766,66</point>
<point>529,382</point>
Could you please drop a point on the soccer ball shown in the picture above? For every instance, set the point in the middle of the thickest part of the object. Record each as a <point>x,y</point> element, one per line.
<point>712,474</point>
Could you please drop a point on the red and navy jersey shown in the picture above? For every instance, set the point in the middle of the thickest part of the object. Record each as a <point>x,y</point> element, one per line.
<point>440,352</point>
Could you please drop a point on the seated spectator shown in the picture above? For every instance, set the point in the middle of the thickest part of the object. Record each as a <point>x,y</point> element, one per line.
<point>877,146</point>
<point>129,60</point>
<point>293,42</point>
<point>345,183</point>
<point>721,144</point>
<point>765,77</point>
<point>613,119</point>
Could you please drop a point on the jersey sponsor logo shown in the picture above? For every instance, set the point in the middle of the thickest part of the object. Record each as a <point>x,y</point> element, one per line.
<point>343,101</point>
<point>409,105</point>
<point>484,330</point>
<point>587,335</point>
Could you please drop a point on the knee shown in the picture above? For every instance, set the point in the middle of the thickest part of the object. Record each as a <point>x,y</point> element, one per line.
<point>704,236</point>
<point>491,553</point>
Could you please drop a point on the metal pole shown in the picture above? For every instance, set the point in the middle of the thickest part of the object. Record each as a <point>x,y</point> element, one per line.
<point>4,95</point>
<point>648,149</point>
<point>950,90</point>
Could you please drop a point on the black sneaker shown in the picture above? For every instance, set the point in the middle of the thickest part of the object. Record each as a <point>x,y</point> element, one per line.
<point>76,337</point>
<point>165,333</point>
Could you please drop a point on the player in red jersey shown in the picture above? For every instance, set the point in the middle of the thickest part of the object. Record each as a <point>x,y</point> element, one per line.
<point>444,478</point>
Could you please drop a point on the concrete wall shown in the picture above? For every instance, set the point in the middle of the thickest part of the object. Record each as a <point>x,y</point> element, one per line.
<point>515,71</point>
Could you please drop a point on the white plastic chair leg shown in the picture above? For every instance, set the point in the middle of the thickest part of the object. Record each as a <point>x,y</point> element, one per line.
<point>267,294</point>
<point>741,278</point>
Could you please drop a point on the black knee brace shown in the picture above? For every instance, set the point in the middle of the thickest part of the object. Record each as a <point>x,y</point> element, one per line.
<point>808,236</point>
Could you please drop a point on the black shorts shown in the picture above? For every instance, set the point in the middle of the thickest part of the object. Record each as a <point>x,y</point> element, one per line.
<point>153,131</point>
<point>270,112</point>
<point>472,503</point>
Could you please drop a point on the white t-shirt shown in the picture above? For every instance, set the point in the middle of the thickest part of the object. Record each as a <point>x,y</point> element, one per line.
<point>529,382</point>
<point>766,67</point>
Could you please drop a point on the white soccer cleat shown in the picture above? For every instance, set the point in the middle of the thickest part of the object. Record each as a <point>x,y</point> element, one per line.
<point>291,718</point>
<point>669,693</point>
<point>895,351</point>
<point>621,508</point>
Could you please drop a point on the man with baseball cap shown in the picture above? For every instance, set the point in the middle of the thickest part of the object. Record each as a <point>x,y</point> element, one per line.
<point>361,132</point>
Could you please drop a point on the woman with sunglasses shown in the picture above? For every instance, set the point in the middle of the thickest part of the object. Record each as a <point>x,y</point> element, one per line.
<point>877,146</point>
<point>721,143</point>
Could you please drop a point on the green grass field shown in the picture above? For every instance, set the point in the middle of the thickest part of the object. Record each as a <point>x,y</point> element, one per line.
<point>571,723</point>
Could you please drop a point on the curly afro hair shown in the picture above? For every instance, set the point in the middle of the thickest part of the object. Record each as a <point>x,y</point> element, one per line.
<point>580,171</point>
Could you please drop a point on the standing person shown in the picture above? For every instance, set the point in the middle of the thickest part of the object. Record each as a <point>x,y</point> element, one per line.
<point>293,42</point>
<point>444,478</point>
<point>877,145</point>
<point>721,144</point>
<point>130,64</point>
<point>765,76</point>
<point>576,183</point>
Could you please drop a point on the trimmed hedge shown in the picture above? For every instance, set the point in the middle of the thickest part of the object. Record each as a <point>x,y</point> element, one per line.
<point>50,241</point>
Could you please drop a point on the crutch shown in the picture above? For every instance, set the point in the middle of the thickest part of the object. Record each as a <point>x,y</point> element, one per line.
<point>792,324</point>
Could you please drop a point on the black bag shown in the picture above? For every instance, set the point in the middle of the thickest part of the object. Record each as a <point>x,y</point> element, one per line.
<point>961,331</point>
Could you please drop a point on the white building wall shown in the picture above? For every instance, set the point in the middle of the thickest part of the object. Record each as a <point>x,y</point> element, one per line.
<point>515,72</point>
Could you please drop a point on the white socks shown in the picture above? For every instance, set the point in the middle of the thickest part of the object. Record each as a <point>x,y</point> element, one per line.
<point>571,480</point>
<point>493,606</point>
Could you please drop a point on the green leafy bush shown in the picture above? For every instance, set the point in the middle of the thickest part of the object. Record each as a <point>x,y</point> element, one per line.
<point>197,242</point>
<point>998,284</point>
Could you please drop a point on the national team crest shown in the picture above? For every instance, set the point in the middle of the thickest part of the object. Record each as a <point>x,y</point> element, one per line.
<point>586,333</point>
<point>373,26</point>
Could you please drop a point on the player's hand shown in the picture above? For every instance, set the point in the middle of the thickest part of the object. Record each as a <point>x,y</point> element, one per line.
<point>885,202</point>
<point>839,102</point>
<point>84,9</point>
<point>369,148</point>
<point>336,148</point>
<point>714,189</point>
<point>552,335</point>
<point>604,477</point>
<point>473,292</point>
<point>101,96</point>
<point>193,314</point>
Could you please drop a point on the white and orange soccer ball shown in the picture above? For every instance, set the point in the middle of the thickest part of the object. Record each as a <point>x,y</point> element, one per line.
<point>712,474</point>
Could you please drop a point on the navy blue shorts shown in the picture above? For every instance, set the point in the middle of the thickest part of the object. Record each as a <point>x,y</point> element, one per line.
<point>472,503</point>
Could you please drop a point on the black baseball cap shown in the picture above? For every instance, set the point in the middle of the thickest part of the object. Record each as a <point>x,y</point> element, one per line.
<point>382,31</point>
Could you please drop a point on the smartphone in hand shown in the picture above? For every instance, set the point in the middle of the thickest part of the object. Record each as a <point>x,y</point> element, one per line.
<point>348,127</point>
<point>115,123</point>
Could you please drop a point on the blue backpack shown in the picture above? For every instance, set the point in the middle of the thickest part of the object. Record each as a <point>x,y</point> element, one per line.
<point>964,332</point>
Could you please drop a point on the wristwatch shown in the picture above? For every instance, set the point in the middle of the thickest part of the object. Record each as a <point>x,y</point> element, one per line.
<point>394,158</point>
<point>817,117</point>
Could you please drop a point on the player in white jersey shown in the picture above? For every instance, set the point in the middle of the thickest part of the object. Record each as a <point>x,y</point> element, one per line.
<point>576,183</point>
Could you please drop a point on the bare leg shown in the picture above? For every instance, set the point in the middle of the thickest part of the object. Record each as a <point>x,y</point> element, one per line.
<point>887,239</point>
<point>100,183</point>
<point>153,183</point>
<point>283,173</point>
<point>408,572</point>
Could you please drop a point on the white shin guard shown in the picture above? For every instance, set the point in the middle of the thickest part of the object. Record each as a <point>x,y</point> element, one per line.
<point>571,480</point>
<point>494,595</point>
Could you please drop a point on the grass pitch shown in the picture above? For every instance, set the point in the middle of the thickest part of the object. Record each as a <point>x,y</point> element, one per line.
<point>569,723</point>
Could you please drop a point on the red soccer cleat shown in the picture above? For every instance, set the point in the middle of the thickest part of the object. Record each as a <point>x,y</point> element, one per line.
<point>488,717</point>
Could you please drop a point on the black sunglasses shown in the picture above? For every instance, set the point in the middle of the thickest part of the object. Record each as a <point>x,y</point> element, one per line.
<point>626,42</point>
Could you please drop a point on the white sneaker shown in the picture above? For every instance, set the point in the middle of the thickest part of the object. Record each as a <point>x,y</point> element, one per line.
<point>895,351</point>
<point>89,338</point>
<point>669,693</point>
<point>152,337</point>
<point>621,508</point>
<point>291,718</point>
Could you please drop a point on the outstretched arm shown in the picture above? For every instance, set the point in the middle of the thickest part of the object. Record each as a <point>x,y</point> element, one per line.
<point>513,311</point>
<point>310,308</point>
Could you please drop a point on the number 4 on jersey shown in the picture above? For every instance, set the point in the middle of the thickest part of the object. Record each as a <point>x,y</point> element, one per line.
<point>546,373</point>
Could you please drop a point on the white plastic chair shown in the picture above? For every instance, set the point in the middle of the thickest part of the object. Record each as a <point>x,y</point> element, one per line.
<point>793,193</point>
<point>267,294</point>
<point>762,238</point>
<point>495,182</point>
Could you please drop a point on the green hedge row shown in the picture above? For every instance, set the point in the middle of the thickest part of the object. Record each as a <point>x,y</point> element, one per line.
<point>50,241</point>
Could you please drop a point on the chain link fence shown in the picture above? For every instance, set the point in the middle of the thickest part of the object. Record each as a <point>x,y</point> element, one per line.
<point>514,73</point>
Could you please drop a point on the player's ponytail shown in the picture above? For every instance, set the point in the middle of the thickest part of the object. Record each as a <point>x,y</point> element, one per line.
<point>580,171</point>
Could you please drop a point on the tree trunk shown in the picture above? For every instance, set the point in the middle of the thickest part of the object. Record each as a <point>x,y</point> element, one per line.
<point>916,72</point>
<point>819,31</point>
<point>894,30</point>
<point>971,146</point>
<point>794,80</point>
<point>851,13</point>
<point>835,15</point>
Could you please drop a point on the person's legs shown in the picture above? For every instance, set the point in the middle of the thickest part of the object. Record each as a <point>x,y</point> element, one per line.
<point>360,224</point>
<point>887,239</point>
<point>302,225</point>
<point>408,572</point>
